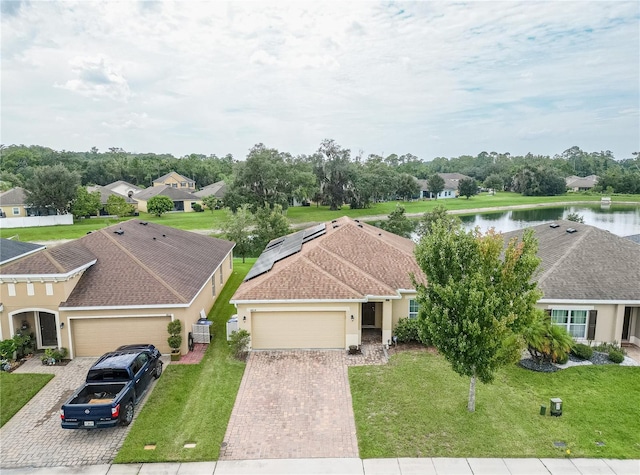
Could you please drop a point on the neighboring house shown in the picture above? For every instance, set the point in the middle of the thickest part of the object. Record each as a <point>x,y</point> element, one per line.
<point>105,193</point>
<point>217,189</point>
<point>451,181</point>
<point>175,180</point>
<point>577,183</point>
<point>11,250</point>
<point>118,285</point>
<point>590,281</point>
<point>123,188</point>
<point>13,205</point>
<point>182,199</point>
<point>320,287</point>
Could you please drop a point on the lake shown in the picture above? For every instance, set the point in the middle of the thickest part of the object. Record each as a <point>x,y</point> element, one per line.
<point>622,220</point>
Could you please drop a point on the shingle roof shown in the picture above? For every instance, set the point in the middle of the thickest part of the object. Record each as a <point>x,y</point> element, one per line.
<point>10,249</point>
<point>349,262</point>
<point>177,175</point>
<point>61,259</point>
<point>105,193</point>
<point>133,268</point>
<point>14,196</point>
<point>217,189</point>
<point>582,182</point>
<point>176,194</point>
<point>590,264</point>
<point>119,183</point>
<point>451,181</point>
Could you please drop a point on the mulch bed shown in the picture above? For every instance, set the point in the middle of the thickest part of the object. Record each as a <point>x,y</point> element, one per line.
<point>598,358</point>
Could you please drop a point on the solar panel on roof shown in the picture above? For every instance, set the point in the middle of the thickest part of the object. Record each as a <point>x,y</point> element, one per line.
<point>314,232</point>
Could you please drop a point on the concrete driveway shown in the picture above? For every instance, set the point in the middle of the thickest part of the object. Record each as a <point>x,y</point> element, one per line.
<point>34,438</point>
<point>292,404</point>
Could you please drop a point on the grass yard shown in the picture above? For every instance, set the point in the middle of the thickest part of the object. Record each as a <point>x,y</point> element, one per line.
<point>191,403</point>
<point>17,389</point>
<point>308,214</point>
<point>416,407</point>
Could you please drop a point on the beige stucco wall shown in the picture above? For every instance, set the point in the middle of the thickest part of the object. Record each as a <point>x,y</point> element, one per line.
<point>8,211</point>
<point>61,290</point>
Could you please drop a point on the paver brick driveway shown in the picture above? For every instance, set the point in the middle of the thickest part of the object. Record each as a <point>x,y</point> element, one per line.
<point>34,438</point>
<point>292,404</point>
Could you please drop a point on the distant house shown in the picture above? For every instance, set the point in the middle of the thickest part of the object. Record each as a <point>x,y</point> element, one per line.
<point>451,181</point>
<point>590,280</point>
<point>175,180</point>
<point>217,189</point>
<point>182,199</point>
<point>12,203</point>
<point>123,188</point>
<point>119,285</point>
<point>577,183</point>
<point>105,193</point>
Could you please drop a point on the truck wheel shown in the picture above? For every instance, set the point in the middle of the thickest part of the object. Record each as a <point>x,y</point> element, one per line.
<point>127,416</point>
<point>158,370</point>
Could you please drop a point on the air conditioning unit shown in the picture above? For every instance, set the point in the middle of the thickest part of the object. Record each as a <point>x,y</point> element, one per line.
<point>232,326</point>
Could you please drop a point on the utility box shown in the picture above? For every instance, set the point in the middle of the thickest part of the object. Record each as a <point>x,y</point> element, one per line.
<point>200,331</point>
<point>555,404</point>
<point>232,326</point>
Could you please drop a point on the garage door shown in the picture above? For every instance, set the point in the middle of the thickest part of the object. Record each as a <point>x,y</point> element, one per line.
<point>282,330</point>
<point>96,336</point>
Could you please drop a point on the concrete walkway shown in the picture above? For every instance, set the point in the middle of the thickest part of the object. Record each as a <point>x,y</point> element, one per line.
<point>355,466</point>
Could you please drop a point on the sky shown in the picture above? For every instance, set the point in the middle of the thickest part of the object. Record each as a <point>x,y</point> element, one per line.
<point>434,79</point>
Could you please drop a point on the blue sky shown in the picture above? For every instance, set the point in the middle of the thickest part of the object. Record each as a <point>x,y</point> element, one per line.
<point>427,78</point>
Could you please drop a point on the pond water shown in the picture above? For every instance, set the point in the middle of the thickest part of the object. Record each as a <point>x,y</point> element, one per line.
<point>622,220</point>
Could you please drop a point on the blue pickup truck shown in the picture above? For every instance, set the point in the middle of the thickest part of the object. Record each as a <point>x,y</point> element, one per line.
<point>114,385</point>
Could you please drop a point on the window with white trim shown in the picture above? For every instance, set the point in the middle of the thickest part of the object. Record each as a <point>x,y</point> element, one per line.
<point>11,288</point>
<point>221,276</point>
<point>213,285</point>
<point>48,288</point>
<point>575,321</point>
<point>414,308</point>
<point>30,290</point>
<point>16,211</point>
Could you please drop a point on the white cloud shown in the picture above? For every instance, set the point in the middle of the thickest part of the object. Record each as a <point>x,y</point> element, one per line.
<point>218,77</point>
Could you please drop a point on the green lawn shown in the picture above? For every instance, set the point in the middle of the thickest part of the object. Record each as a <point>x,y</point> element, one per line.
<point>309,214</point>
<point>416,407</point>
<point>17,389</point>
<point>191,403</point>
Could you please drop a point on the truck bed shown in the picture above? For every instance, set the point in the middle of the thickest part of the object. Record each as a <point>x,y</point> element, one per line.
<point>98,393</point>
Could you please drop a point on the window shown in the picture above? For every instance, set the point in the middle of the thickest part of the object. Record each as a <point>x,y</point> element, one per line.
<point>221,277</point>
<point>12,290</point>
<point>575,321</point>
<point>49,288</point>
<point>213,285</point>
<point>16,211</point>
<point>30,289</point>
<point>414,307</point>
<point>183,184</point>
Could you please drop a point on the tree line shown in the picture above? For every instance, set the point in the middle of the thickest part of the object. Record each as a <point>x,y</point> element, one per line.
<point>331,175</point>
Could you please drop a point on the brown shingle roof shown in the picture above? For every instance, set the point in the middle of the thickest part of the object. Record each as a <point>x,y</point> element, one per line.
<point>590,264</point>
<point>348,262</point>
<point>132,268</point>
<point>14,196</point>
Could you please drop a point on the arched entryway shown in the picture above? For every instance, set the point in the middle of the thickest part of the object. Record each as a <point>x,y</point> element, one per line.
<point>42,323</point>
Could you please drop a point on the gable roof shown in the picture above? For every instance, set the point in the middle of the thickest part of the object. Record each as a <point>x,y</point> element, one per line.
<point>451,181</point>
<point>176,194</point>
<point>14,196</point>
<point>588,265</point>
<point>11,250</point>
<point>174,175</point>
<point>582,182</point>
<point>216,189</point>
<point>122,184</point>
<point>351,261</point>
<point>147,265</point>
<point>105,193</point>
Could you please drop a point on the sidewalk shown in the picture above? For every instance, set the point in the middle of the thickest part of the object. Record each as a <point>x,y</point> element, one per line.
<point>355,466</point>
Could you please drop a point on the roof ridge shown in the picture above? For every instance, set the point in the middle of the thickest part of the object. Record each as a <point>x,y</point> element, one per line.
<point>564,257</point>
<point>53,261</point>
<point>373,229</point>
<point>144,266</point>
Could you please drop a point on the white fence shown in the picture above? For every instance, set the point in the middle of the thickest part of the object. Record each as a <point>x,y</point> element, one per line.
<point>33,221</point>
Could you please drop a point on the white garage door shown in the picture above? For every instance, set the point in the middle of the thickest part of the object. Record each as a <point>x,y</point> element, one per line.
<point>288,330</point>
<point>96,336</point>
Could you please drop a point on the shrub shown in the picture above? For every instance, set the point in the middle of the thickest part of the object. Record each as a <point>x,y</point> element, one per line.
<point>7,348</point>
<point>616,356</point>
<point>607,347</point>
<point>562,359</point>
<point>409,330</point>
<point>582,351</point>
<point>175,334</point>
<point>546,342</point>
<point>239,343</point>
<point>24,343</point>
<point>197,208</point>
<point>53,355</point>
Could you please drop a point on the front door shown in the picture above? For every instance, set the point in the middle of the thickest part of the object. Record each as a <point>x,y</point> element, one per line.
<point>48,335</point>
<point>369,314</point>
<point>626,325</point>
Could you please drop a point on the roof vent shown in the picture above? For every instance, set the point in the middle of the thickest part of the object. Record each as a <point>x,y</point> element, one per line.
<point>119,232</point>
<point>554,225</point>
<point>154,238</point>
<point>164,235</point>
<point>357,220</point>
<point>571,230</point>
<point>335,226</point>
<point>360,225</point>
<point>379,234</point>
<point>334,220</point>
<point>144,223</point>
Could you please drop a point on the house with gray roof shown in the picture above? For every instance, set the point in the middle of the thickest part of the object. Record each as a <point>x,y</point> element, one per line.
<point>590,280</point>
<point>105,193</point>
<point>217,189</point>
<point>579,183</point>
<point>182,200</point>
<point>119,285</point>
<point>123,188</point>
<point>451,182</point>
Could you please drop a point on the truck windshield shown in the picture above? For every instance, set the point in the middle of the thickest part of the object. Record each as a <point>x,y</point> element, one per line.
<point>97,375</point>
